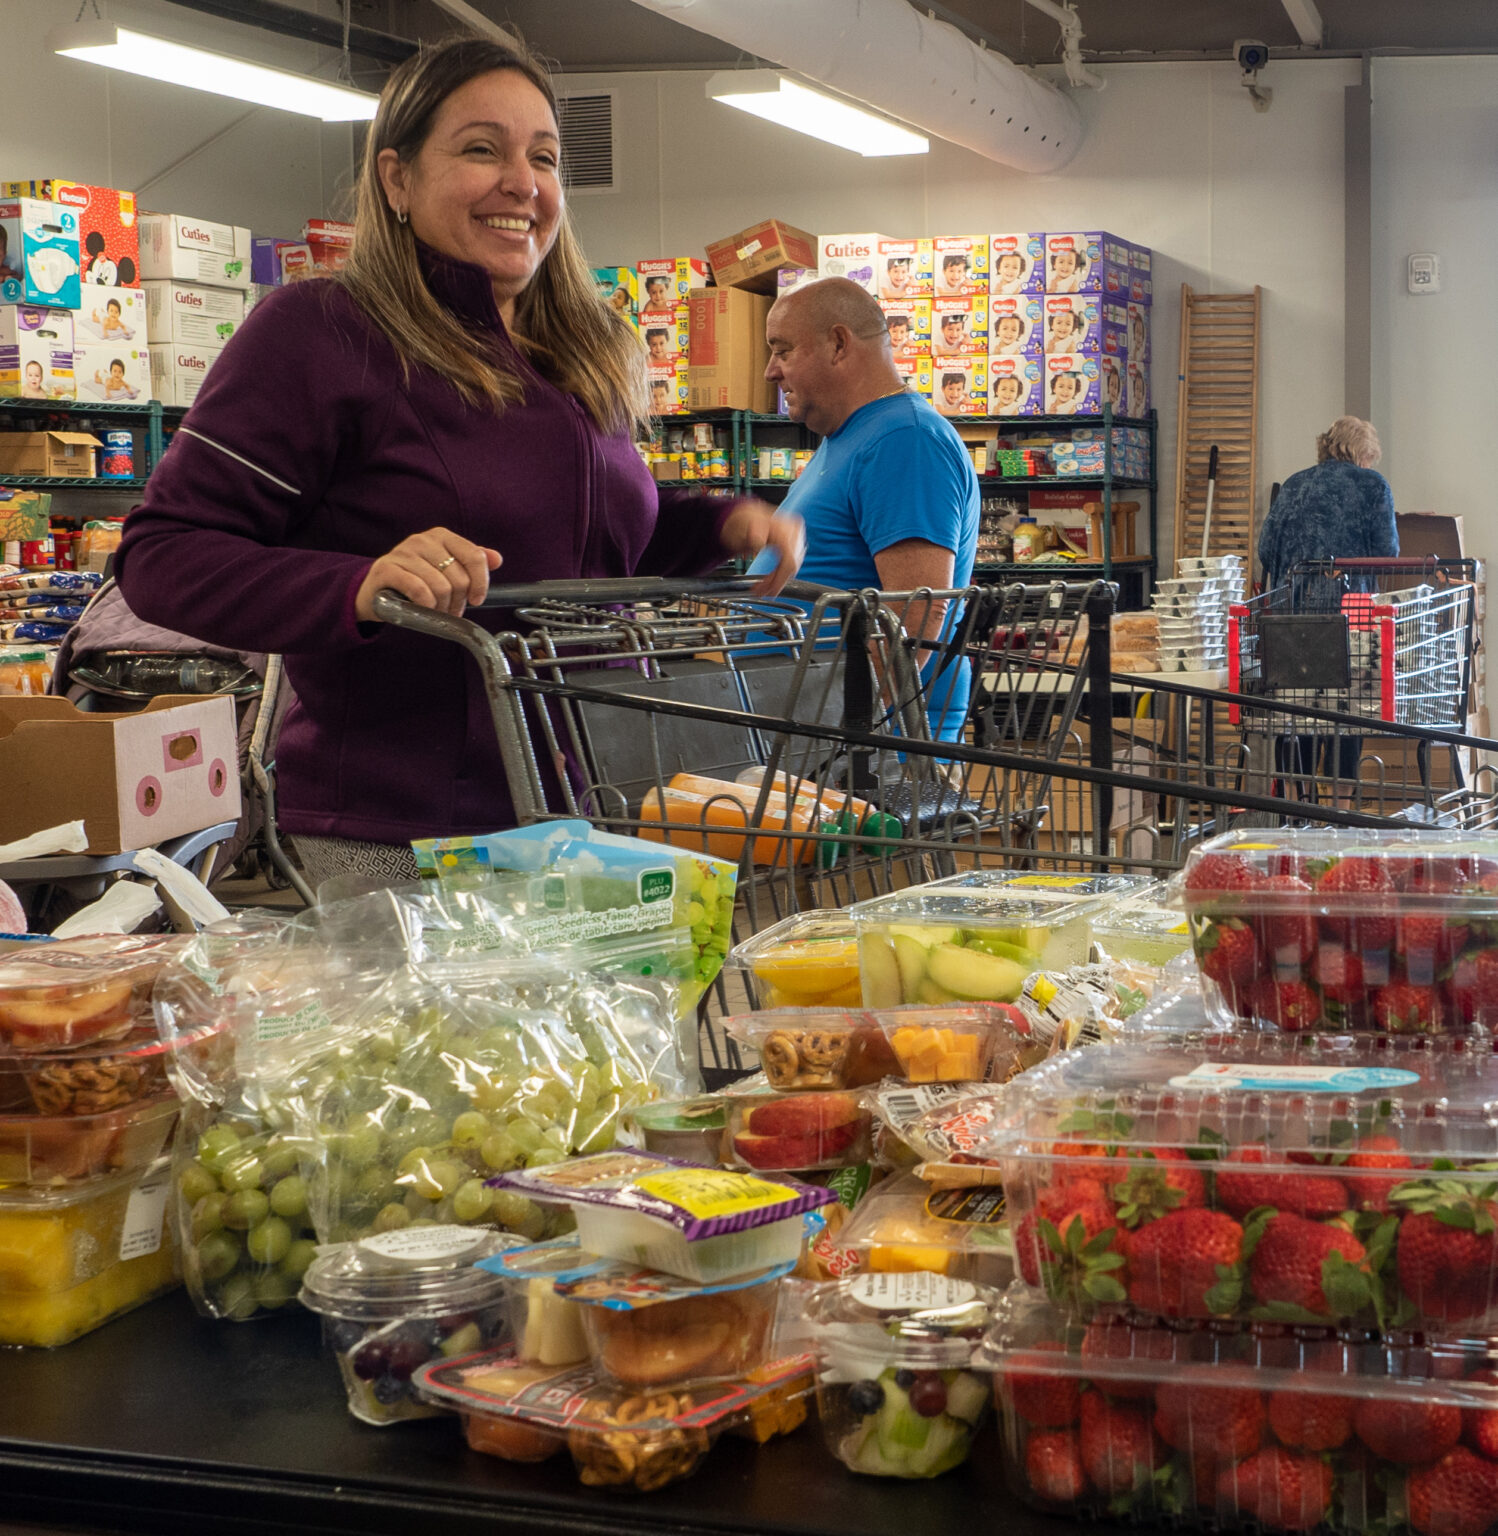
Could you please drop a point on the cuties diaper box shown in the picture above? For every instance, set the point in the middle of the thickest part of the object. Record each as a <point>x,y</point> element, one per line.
<point>1015,386</point>
<point>903,268</point>
<point>177,372</point>
<point>666,281</point>
<point>108,236</point>
<point>665,333</point>
<point>959,265</point>
<point>959,327</point>
<point>176,245</point>
<point>855,257</point>
<point>916,370</point>
<point>1016,263</point>
<point>670,388</point>
<point>116,372</point>
<point>960,385</point>
<point>1016,325</point>
<point>36,353</point>
<point>191,313</point>
<point>909,324</point>
<point>1073,384</point>
<point>39,254</point>
<point>1085,322</point>
<point>1087,261</point>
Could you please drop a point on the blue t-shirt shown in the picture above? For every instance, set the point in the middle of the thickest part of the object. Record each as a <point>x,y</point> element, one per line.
<point>894,470</point>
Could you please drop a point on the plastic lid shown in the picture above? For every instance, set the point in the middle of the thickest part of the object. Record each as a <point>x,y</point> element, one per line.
<point>918,1319</point>
<point>413,1272</point>
<point>79,964</point>
<point>830,926</point>
<point>751,1028</point>
<point>991,899</point>
<point>704,1114</point>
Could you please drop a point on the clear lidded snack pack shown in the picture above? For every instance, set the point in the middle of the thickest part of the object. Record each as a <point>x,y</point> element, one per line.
<point>807,960</point>
<point>790,1132</point>
<point>905,1225</point>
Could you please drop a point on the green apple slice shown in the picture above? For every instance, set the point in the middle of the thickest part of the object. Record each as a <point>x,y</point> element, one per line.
<point>975,976</point>
<point>880,973</point>
<point>910,955</point>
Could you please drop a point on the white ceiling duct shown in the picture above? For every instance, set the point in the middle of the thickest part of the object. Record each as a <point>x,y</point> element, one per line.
<point>892,58</point>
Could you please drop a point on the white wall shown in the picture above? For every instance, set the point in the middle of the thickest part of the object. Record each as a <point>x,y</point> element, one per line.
<point>1175,158</point>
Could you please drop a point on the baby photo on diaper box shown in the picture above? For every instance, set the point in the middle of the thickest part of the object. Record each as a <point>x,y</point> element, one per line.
<point>1139,332</point>
<point>116,316</point>
<point>1015,325</point>
<point>1016,263</point>
<point>38,254</point>
<point>908,322</point>
<point>904,269</point>
<point>1014,386</point>
<point>959,327</point>
<point>1113,391</point>
<point>960,385</point>
<point>669,389</point>
<point>1072,384</point>
<point>112,371</point>
<point>960,265</point>
<point>1138,388</point>
<point>1071,322</point>
<point>36,353</point>
<point>665,333</point>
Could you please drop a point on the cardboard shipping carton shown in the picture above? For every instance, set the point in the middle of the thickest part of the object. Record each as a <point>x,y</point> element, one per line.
<point>133,780</point>
<point>108,239</point>
<point>194,250</point>
<point>729,353</point>
<point>752,258</point>
<point>48,453</point>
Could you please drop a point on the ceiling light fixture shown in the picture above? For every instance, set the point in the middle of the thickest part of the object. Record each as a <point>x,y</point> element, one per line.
<point>137,53</point>
<point>769,95</point>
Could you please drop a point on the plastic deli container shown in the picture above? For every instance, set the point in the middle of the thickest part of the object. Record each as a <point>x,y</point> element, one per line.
<point>813,1048</point>
<point>703,1224</point>
<point>1217,1427</point>
<point>690,1130</point>
<point>904,1225</point>
<point>791,1131</point>
<point>393,1302</point>
<point>75,1257</point>
<point>636,1442</point>
<point>1321,930</point>
<point>57,997</point>
<point>896,1390</point>
<point>57,1149</point>
<point>88,1081</point>
<point>1291,1178</point>
<point>975,937</point>
<point>1142,930</point>
<point>809,960</point>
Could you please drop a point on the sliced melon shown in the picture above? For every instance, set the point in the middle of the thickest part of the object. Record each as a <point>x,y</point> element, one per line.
<point>967,1397</point>
<point>975,976</point>
<point>880,972</point>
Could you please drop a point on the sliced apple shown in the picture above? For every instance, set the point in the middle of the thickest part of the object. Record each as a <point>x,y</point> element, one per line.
<point>910,956</point>
<point>990,944</point>
<point>880,972</point>
<point>937,997</point>
<point>925,934</point>
<point>801,1114</point>
<point>975,976</point>
<point>815,1150</point>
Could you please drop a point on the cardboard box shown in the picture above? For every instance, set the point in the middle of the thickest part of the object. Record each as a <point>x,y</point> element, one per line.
<point>1015,387</point>
<point>916,370</point>
<point>1138,391</point>
<point>36,353</point>
<point>904,269</point>
<point>908,322</point>
<point>1114,391</point>
<point>265,262</point>
<point>190,314</point>
<point>960,385</point>
<point>959,265</point>
<point>48,453</point>
<point>108,235</point>
<point>1016,263</point>
<point>177,372</point>
<point>752,258</point>
<point>729,352</point>
<point>24,514</point>
<point>328,232</point>
<point>328,255</point>
<point>1138,317</point>
<point>194,250</point>
<point>1422,534</point>
<point>118,316</point>
<point>39,254</point>
<point>133,780</point>
<point>959,327</point>
<point>666,281</point>
<point>1016,325</point>
<point>113,371</point>
<point>1087,261</point>
<point>619,287</point>
<point>1085,323</point>
<point>666,334</point>
<point>855,257</point>
<point>1073,384</point>
<point>670,389</point>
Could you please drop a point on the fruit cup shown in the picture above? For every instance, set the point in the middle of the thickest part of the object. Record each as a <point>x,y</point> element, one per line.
<point>904,1225</point>
<point>1341,1179</point>
<point>1212,1426</point>
<point>897,1393</point>
<point>808,960</point>
<point>60,996</point>
<point>391,1303</point>
<point>58,1149</point>
<point>813,1048</point>
<point>1318,930</point>
<point>975,937</point>
<point>798,1131</point>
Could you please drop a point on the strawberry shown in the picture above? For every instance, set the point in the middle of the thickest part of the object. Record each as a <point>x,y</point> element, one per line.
<point>1157,1183</point>
<point>1225,1423</point>
<point>1372,1193</point>
<point>1311,1421</point>
<point>1054,1204</point>
<point>1047,1402</point>
<point>1076,1257</point>
<point>1119,1448</point>
<point>1473,987</point>
<point>1290,1005</point>
<point>1480,1425</point>
<point>1313,1195</point>
<point>1228,953</point>
<point>1053,1465</point>
<point>1447,1254</point>
<point>1287,930</point>
<point>1458,1496</point>
<point>1311,1266</point>
<point>1408,1432</point>
<point>1177,1264</point>
<point>1204,1475</point>
<point>1218,872</point>
<point>1425,943</point>
<point>1401,1008</point>
<point>1119,1339</point>
<point>1277,1488</point>
<point>1434,876</point>
<point>1366,884</point>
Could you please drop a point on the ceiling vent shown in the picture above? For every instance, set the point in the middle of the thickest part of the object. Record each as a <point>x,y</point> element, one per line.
<point>587,124</point>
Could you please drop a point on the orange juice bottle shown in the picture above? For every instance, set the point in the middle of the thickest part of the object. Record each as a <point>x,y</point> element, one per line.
<point>825,802</point>
<point>696,818</point>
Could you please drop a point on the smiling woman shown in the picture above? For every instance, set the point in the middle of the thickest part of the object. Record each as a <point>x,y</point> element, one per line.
<point>459,396</point>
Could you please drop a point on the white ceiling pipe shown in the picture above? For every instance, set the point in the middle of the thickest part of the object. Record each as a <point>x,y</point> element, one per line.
<point>1077,73</point>
<point>894,59</point>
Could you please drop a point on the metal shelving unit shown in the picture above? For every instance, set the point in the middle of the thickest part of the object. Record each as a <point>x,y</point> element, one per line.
<point>153,412</point>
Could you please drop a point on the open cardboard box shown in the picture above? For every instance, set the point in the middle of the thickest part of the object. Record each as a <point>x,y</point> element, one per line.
<point>132,780</point>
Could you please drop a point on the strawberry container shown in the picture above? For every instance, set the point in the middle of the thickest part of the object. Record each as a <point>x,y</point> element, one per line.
<point>1213,1426</point>
<point>1346,930</point>
<point>1289,1178</point>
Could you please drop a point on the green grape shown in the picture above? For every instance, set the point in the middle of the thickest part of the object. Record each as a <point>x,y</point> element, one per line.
<point>524,1134</point>
<point>431,1127</point>
<point>470,1129</point>
<point>500,1151</point>
<point>288,1197</point>
<point>236,1298</point>
<point>268,1242</point>
<point>598,1133</point>
<point>357,1147</point>
<point>695,913</point>
<point>299,1257</point>
<point>707,892</point>
<point>418,1207</point>
<point>377,1184</point>
<point>217,1254</point>
<point>278,1160</point>
<point>195,1182</point>
<point>391,1218</point>
<point>241,1172</point>
<point>518,1214</point>
<point>545,1156</point>
<point>275,1289</point>
<point>439,1178</point>
<point>245,1208</point>
<point>462,1342</point>
<point>207,1215</point>
<point>215,1144</point>
<point>413,1161</point>
<point>553,1138</point>
<point>472,1200</point>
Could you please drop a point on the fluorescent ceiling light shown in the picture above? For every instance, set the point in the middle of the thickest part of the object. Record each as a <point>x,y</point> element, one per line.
<point>156,59</point>
<point>771,96</point>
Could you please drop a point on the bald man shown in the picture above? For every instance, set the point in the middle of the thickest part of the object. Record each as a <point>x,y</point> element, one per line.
<point>890,499</point>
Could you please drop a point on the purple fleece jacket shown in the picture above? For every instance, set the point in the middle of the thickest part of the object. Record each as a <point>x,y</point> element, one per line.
<point>305,458</point>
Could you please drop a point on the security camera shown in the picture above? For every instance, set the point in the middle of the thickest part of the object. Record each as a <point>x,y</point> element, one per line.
<point>1251,56</point>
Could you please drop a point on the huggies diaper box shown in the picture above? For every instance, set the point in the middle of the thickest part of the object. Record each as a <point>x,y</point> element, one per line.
<point>665,333</point>
<point>108,234</point>
<point>960,385</point>
<point>1016,325</point>
<point>904,269</point>
<point>39,254</point>
<point>619,288</point>
<point>1088,261</point>
<point>916,371</point>
<point>959,265</point>
<point>1138,316</point>
<point>1085,322</point>
<point>194,250</point>
<point>666,281</point>
<point>1073,384</point>
<point>191,313</point>
<point>1112,366</point>
<point>959,327</point>
<point>855,257</point>
<point>1016,263</point>
<point>36,353</point>
<point>116,372</point>
<point>670,388</point>
<point>177,372</point>
<point>908,322</point>
<point>1015,387</point>
<point>1141,275</point>
<point>1138,388</point>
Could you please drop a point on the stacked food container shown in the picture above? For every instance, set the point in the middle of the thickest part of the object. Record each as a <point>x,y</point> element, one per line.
<point>1193,612</point>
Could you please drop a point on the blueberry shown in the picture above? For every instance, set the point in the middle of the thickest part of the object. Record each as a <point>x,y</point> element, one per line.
<point>903,1380</point>
<point>343,1335</point>
<point>388,1390</point>
<point>865,1397</point>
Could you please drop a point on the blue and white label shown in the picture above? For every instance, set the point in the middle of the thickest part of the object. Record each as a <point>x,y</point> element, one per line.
<point>1286,1079</point>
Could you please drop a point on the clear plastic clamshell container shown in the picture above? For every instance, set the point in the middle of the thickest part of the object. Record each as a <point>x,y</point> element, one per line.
<point>1345,1179</point>
<point>904,1225</point>
<point>807,1049</point>
<point>975,937</point>
<point>1394,932</point>
<point>87,1081</point>
<point>1142,930</point>
<point>1219,1427</point>
<point>61,1149</point>
<point>808,960</point>
<point>60,996</point>
<point>791,1131</point>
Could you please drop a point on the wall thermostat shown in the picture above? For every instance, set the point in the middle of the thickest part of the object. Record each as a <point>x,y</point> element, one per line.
<point>1425,273</point>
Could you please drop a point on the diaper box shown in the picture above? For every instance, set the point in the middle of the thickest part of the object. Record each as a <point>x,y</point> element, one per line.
<point>909,324</point>
<point>904,269</point>
<point>1085,322</point>
<point>1073,384</point>
<point>789,279</point>
<point>1112,366</point>
<point>666,333</point>
<point>752,258</point>
<point>116,372</point>
<point>1087,261</point>
<point>1137,391</point>
<point>960,385</point>
<point>670,388</point>
<point>959,265</point>
<point>666,281</point>
<point>108,234</point>
<point>619,287</point>
<point>36,353</point>
<point>915,369</point>
<point>1015,386</point>
<point>177,372</point>
<point>294,257</point>
<point>191,313</point>
<point>39,254</point>
<point>1138,317</point>
<point>1016,263</point>
<point>1141,275</point>
<point>855,257</point>
<point>194,250</point>
<point>1016,324</point>
<point>328,232</point>
<point>959,327</point>
<point>265,260</point>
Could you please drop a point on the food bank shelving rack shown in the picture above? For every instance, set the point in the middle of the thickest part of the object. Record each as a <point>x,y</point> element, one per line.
<point>152,412</point>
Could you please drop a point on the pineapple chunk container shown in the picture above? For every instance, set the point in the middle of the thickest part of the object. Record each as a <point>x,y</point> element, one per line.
<point>975,937</point>
<point>1326,1179</point>
<point>1218,1426</point>
<point>808,960</point>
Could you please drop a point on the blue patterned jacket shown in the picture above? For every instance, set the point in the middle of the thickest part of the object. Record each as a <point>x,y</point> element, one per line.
<point>1334,510</point>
